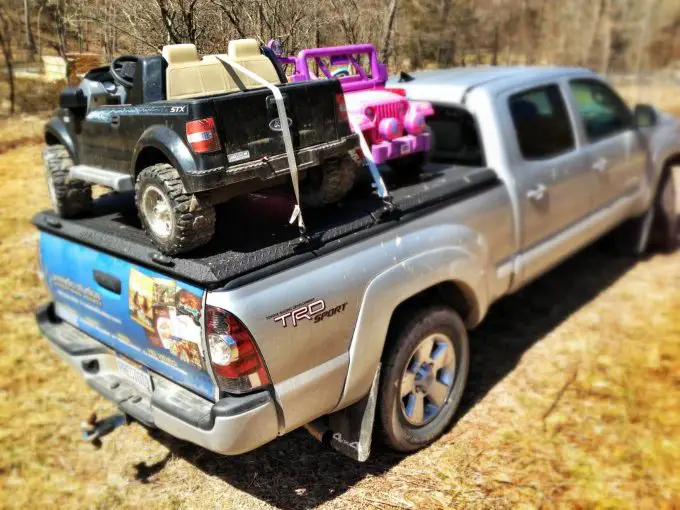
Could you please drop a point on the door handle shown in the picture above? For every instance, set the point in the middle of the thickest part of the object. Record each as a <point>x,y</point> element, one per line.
<point>109,282</point>
<point>538,193</point>
<point>600,165</point>
<point>115,120</point>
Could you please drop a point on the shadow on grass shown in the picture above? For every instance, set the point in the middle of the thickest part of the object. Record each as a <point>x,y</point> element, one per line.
<point>296,472</point>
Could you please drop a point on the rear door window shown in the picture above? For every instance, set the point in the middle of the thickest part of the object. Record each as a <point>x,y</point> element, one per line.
<point>602,111</point>
<point>542,123</point>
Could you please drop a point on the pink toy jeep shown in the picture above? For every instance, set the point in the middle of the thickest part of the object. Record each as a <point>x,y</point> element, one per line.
<point>393,126</point>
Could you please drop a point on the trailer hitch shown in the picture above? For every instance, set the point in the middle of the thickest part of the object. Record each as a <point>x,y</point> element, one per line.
<point>94,430</point>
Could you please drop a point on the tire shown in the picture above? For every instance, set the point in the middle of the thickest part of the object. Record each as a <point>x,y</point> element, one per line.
<point>329,183</point>
<point>398,424</point>
<point>664,230</point>
<point>70,197</point>
<point>176,221</point>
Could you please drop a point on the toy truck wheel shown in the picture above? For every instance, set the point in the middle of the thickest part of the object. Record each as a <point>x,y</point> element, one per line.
<point>425,369</point>
<point>175,220</point>
<point>70,197</point>
<point>329,183</point>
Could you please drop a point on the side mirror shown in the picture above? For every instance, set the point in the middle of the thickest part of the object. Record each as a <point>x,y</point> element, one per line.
<point>72,97</point>
<point>645,116</point>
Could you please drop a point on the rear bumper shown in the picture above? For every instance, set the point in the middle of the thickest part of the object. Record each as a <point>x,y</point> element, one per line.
<point>402,146</point>
<point>231,426</point>
<point>254,174</point>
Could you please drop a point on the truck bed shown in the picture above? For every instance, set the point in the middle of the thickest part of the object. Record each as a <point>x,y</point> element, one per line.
<point>253,237</point>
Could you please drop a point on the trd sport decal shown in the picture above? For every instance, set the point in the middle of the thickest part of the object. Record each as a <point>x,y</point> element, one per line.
<point>314,310</point>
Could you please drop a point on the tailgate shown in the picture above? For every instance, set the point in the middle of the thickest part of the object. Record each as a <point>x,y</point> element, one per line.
<point>142,315</point>
<point>248,121</point>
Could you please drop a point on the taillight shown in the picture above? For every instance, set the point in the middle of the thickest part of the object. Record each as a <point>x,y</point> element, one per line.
<point>236,361</point>
<point>202,135</point>
<point>341,108</point>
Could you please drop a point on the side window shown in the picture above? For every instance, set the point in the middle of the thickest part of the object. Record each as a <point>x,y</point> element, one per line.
<point>541,122</point>
<point>603,112</point>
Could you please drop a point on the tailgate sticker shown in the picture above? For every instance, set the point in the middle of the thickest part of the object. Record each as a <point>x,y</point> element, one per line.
<point>169,315</point>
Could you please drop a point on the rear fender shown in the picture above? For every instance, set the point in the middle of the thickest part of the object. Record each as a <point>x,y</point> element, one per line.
<point>56,128</point>
<point>173,147</point>
<point>394,286</point>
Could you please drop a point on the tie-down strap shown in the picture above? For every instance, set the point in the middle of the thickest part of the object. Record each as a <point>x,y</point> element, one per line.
<point>285,132</point>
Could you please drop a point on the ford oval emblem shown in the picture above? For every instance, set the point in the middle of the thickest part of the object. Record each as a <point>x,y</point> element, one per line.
<point>275,125</point>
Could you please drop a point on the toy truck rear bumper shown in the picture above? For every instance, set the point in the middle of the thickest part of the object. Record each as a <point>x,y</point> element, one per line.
<point>402,146</point>
<point>231,426</point>
<point>256,173</point>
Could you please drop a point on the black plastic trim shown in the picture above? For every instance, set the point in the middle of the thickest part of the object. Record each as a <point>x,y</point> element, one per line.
<point>109,282</point>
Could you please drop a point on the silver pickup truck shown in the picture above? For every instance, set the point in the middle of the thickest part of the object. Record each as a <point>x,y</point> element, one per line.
<point>359,328</point>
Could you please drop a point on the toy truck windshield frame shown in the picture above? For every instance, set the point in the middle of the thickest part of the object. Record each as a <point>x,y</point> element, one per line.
<point>340,55</point>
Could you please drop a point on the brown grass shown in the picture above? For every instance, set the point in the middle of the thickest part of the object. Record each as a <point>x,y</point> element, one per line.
<point>573,401</point>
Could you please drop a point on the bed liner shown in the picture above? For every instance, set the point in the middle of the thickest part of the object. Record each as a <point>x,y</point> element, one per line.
<point>253,238</point>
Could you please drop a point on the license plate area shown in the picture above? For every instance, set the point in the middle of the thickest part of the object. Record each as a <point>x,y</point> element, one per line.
<point>135,373</point>
<point>405,148</point>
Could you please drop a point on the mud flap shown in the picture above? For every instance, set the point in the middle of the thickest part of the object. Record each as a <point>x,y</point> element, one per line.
<point>350,430</point>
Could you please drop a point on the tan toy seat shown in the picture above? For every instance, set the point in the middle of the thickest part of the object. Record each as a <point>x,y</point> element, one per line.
<point>188,75</point>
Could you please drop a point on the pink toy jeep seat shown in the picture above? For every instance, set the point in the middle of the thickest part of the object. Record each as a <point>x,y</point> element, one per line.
<point>392,125</point>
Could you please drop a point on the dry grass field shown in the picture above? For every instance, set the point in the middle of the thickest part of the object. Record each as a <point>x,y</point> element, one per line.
<point>573,401</point>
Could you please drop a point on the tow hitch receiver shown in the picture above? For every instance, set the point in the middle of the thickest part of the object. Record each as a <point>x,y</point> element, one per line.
<point>94,430</point>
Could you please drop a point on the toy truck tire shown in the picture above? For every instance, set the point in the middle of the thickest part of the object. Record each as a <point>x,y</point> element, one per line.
<point>429,345</point>
<point>70,197</point>
<point>329,183</point>
<point>176,221</point>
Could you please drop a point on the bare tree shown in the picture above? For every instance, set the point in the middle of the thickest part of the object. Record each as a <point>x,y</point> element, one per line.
<point>6,46</point>
<point>387,30</point>
<point>30,41</point>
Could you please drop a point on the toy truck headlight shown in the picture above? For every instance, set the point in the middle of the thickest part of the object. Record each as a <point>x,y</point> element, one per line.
<point>389,128</point>
<point>414,122</point>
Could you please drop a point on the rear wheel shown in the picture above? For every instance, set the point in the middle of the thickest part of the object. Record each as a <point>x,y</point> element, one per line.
<point>175,220</point>
<point>70,197</point>
<point>423,377</point>
<point>329,183</point>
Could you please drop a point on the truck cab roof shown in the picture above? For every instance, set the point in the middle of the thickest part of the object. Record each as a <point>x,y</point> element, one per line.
<point>456,82</point>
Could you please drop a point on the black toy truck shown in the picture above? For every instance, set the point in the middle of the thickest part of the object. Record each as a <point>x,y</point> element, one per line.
<point>186,133</point>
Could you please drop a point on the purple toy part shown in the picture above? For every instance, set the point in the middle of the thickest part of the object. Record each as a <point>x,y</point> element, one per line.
<point>340,55</point>
<point>392,125</point>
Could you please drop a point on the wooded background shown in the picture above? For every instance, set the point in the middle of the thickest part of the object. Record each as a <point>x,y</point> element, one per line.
<point>622,36</point>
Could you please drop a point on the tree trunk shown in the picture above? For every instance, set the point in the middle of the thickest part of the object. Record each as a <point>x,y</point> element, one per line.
<point>387,30</point>
<point>496,45</point>
<point>30,41</point>
<point>606,37</point>
<point>6,45</point>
